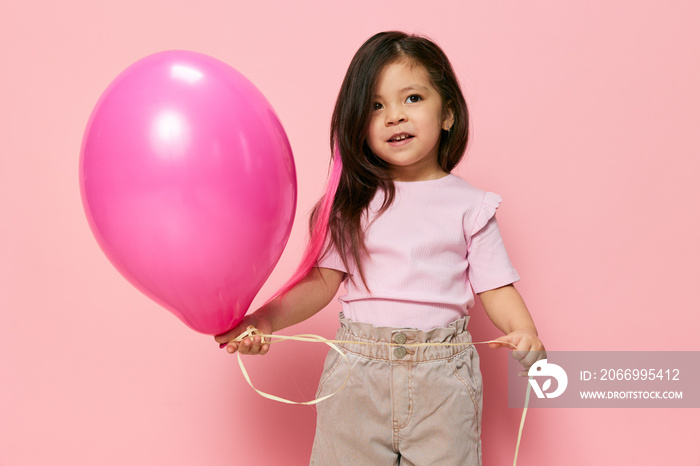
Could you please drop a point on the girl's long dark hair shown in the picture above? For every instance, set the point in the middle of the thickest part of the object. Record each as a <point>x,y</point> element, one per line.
<point>356,173</point>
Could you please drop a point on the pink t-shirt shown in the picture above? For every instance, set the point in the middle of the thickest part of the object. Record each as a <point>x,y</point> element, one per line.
<point>437,242</point>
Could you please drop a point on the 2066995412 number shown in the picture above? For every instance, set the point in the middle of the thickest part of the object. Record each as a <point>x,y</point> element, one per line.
<point>640,374</point>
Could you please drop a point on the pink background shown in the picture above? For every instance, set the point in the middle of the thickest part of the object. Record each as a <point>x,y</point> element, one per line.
<point>585,120</point>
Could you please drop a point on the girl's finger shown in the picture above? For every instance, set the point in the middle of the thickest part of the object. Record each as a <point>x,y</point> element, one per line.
<point>225,337</point>
<point>232,347</point>
<point>519,355</point>
<point>228,336</point>
<point>498,343</point>
<point>531,358</point>
<point>245,346</point>
<point>257,344</point>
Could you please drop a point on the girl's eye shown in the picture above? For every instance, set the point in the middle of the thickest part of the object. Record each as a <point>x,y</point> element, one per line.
<point>414,98</point>
<point>376,106</point>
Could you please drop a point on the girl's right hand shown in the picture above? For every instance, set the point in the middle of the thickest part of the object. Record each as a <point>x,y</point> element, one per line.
<point>254,345</point>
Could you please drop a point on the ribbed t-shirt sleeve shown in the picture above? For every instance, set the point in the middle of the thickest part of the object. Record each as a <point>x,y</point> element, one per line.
<point>330,259</point>
<point>489,265</point>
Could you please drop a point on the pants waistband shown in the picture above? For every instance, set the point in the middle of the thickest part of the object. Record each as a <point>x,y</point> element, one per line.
<point>394,344</point>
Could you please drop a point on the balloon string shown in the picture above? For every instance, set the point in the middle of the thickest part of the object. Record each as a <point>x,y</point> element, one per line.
<point>522,423</point>
<point>252,332</point>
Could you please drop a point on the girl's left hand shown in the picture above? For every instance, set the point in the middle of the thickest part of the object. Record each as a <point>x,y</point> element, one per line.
<point>529,349</point>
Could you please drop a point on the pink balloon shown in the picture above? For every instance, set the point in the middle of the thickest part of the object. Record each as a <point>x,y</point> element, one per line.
<point>188,183</point>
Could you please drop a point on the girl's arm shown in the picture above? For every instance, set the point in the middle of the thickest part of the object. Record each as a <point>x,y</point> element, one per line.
<point>506,309</point>
<point>305,299</point>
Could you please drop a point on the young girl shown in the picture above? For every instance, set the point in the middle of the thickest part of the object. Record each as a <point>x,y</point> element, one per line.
<point>409,241</point>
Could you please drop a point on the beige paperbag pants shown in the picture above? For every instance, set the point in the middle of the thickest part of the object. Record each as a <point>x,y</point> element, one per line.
<point>402,405</point>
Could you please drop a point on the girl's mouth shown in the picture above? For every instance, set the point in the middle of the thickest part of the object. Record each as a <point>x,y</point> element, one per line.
<point>399,139</point>
<point>399,136</point>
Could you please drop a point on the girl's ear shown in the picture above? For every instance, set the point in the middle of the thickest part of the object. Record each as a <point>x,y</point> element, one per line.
<point>448,117</point>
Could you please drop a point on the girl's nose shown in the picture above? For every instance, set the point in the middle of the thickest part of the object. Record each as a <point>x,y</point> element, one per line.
<point>395,117</point>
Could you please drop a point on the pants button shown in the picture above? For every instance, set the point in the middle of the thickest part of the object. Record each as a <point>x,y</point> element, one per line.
<point>400,352</point>
<point>400,338</point>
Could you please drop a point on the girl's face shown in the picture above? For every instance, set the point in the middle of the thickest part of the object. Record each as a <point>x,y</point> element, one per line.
<point>406,120</point>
